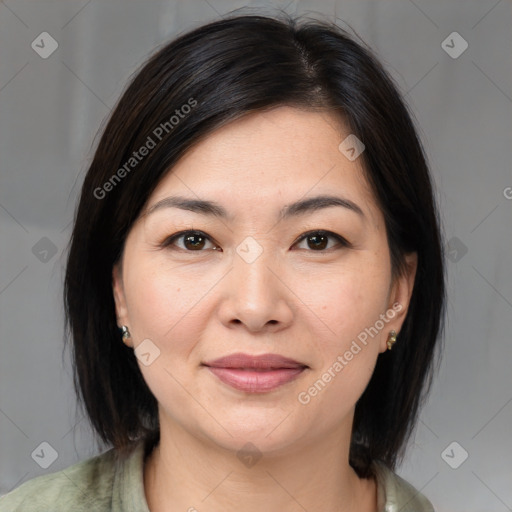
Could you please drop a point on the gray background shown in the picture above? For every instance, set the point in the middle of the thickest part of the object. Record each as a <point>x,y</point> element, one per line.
<point>51,110</point>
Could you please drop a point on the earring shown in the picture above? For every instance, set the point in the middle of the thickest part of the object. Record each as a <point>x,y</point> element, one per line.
<point>391,339</point>
<point>125,334</point>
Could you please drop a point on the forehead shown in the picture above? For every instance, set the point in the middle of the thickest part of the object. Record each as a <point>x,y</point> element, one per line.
<point>269,159</point>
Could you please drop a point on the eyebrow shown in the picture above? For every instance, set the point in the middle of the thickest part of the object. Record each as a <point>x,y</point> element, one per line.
<point>211,208</point>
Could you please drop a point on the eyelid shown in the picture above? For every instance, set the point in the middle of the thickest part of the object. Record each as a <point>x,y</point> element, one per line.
<point>323,232</point>
<point>168,241</point>
<point>341,241</point>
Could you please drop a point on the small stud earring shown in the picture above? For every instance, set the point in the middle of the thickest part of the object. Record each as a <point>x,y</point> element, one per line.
<point>125,334</point>
<point>391,339</point>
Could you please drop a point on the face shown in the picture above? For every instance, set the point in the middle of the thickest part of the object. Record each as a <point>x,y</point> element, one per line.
<point>312,285</point>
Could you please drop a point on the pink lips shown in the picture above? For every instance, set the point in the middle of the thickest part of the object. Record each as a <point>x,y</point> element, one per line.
<point>255,374</point>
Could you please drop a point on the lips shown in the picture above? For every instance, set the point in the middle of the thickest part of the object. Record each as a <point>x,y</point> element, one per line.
<point>261,362</point>
<point>255,374</point>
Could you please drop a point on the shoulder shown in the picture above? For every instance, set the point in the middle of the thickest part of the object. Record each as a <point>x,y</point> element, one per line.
<point>84,486</point>
<point>396,494</point>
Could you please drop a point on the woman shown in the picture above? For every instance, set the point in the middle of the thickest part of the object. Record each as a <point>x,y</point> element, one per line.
<point>255,282</point>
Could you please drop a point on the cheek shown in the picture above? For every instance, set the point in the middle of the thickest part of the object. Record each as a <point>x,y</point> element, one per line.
<point>349,305</point>
<point>161,299</point>
<point>161,308</point>
<point>348,350</point>
<point>347,301</point>
<point>151,300</point>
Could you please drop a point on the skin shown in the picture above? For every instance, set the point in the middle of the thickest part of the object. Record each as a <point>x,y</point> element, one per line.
<point>309,304</point>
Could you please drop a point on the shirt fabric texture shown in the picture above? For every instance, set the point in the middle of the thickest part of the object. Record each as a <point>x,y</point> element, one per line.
<point>99,484</point>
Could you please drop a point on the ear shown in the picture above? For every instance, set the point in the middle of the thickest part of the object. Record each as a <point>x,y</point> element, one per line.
<point>119,296</point>
<point>400,297</point>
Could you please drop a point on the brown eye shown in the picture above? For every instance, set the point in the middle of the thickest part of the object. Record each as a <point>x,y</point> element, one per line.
<point>193,241</point>
<point>319,240</point>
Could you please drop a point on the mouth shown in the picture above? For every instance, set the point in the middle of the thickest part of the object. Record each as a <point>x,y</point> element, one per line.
<point>256,381</point>
<point>255,374</point>
<point>258,362</point>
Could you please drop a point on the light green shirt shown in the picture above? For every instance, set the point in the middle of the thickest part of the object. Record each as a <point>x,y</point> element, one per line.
<point>99,484</point>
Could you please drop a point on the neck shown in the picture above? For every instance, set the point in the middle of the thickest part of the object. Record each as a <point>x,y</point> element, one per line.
<point>187,473</point>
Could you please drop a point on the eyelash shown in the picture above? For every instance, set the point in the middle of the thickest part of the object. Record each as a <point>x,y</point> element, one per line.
<point>168,242</point>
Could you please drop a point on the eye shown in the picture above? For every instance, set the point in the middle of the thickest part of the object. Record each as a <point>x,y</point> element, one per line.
<point>193,241</point>
<point>318,240</point>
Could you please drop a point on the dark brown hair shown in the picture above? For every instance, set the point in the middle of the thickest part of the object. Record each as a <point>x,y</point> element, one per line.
<point>225,70</point>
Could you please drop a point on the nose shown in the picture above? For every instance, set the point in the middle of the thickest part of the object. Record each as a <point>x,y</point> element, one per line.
<point>256,295</point>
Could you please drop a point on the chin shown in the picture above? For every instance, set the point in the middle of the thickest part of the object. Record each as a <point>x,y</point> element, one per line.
<point>263,434</point>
